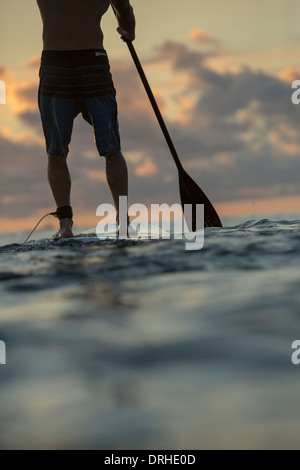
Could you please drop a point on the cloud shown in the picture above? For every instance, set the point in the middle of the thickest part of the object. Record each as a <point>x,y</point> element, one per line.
<point>289,74</point>
<point>148,168</point>
<point>21,191</point>
<point>202,37</point>
<point>96,175</point>
<point>34,61</point>
<point>25,96</point>
<point>21,94</point>
<point>32,119</point>
<point>23,139</point>
<point>237,113</point>
<point>3,72</point>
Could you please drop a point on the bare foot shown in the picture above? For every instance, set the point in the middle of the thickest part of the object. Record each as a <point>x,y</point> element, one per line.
<point>66,228</point>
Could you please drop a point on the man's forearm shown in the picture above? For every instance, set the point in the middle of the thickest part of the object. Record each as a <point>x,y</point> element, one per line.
<point>122,7</point>
<point>125,15</point>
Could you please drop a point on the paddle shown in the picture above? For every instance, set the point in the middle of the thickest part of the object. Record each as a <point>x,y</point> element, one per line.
<point>190,193</point>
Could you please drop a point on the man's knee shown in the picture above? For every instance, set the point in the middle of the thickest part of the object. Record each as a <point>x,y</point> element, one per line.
<point>114,156</point>
<point>56,158</point>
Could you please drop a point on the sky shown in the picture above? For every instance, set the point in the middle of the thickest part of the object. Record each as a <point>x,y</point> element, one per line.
<point>222,75</point>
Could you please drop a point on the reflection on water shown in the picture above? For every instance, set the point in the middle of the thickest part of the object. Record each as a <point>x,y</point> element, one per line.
<point>140,344</point>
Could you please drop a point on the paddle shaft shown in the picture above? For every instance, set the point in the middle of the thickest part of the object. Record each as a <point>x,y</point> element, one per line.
<point>154,104</point>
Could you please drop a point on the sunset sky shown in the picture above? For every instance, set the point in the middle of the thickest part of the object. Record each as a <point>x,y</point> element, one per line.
<point>222,74</point>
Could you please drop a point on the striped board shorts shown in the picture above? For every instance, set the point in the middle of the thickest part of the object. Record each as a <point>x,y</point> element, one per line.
<point>73,82</point>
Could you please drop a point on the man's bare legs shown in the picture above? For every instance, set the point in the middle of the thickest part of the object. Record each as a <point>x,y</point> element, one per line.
<point>60,184</point>
<point>117,179</point>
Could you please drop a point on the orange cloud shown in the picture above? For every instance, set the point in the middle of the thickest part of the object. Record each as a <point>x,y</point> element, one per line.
<point>200,36</point>
<point>20,95</point>
<point>282,62</point>
<point>6,200</point>
<point>187,106</point>
<point>3,73</point>
<point>34,61</point>
<point>259,191</point>
<point>148,168</point>
<point>259,206</point>
<point>24,96</point>
<point>96,175</point>
<point>289,74</point>
<point>23,139</point>
<point>84,218</point>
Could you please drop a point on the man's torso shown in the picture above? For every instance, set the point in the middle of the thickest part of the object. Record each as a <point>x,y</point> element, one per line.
<point>72,24</point>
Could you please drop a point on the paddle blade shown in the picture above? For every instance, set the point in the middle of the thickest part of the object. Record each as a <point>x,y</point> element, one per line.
<point>190,193</point>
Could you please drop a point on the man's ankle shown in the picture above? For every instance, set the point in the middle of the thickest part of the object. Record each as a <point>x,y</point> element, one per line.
<point>64,212</point>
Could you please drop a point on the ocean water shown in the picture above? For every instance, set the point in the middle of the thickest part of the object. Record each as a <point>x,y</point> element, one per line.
<point>143,345</point>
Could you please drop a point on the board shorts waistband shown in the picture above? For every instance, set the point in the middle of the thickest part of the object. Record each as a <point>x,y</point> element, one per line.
<point>74,58</point>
